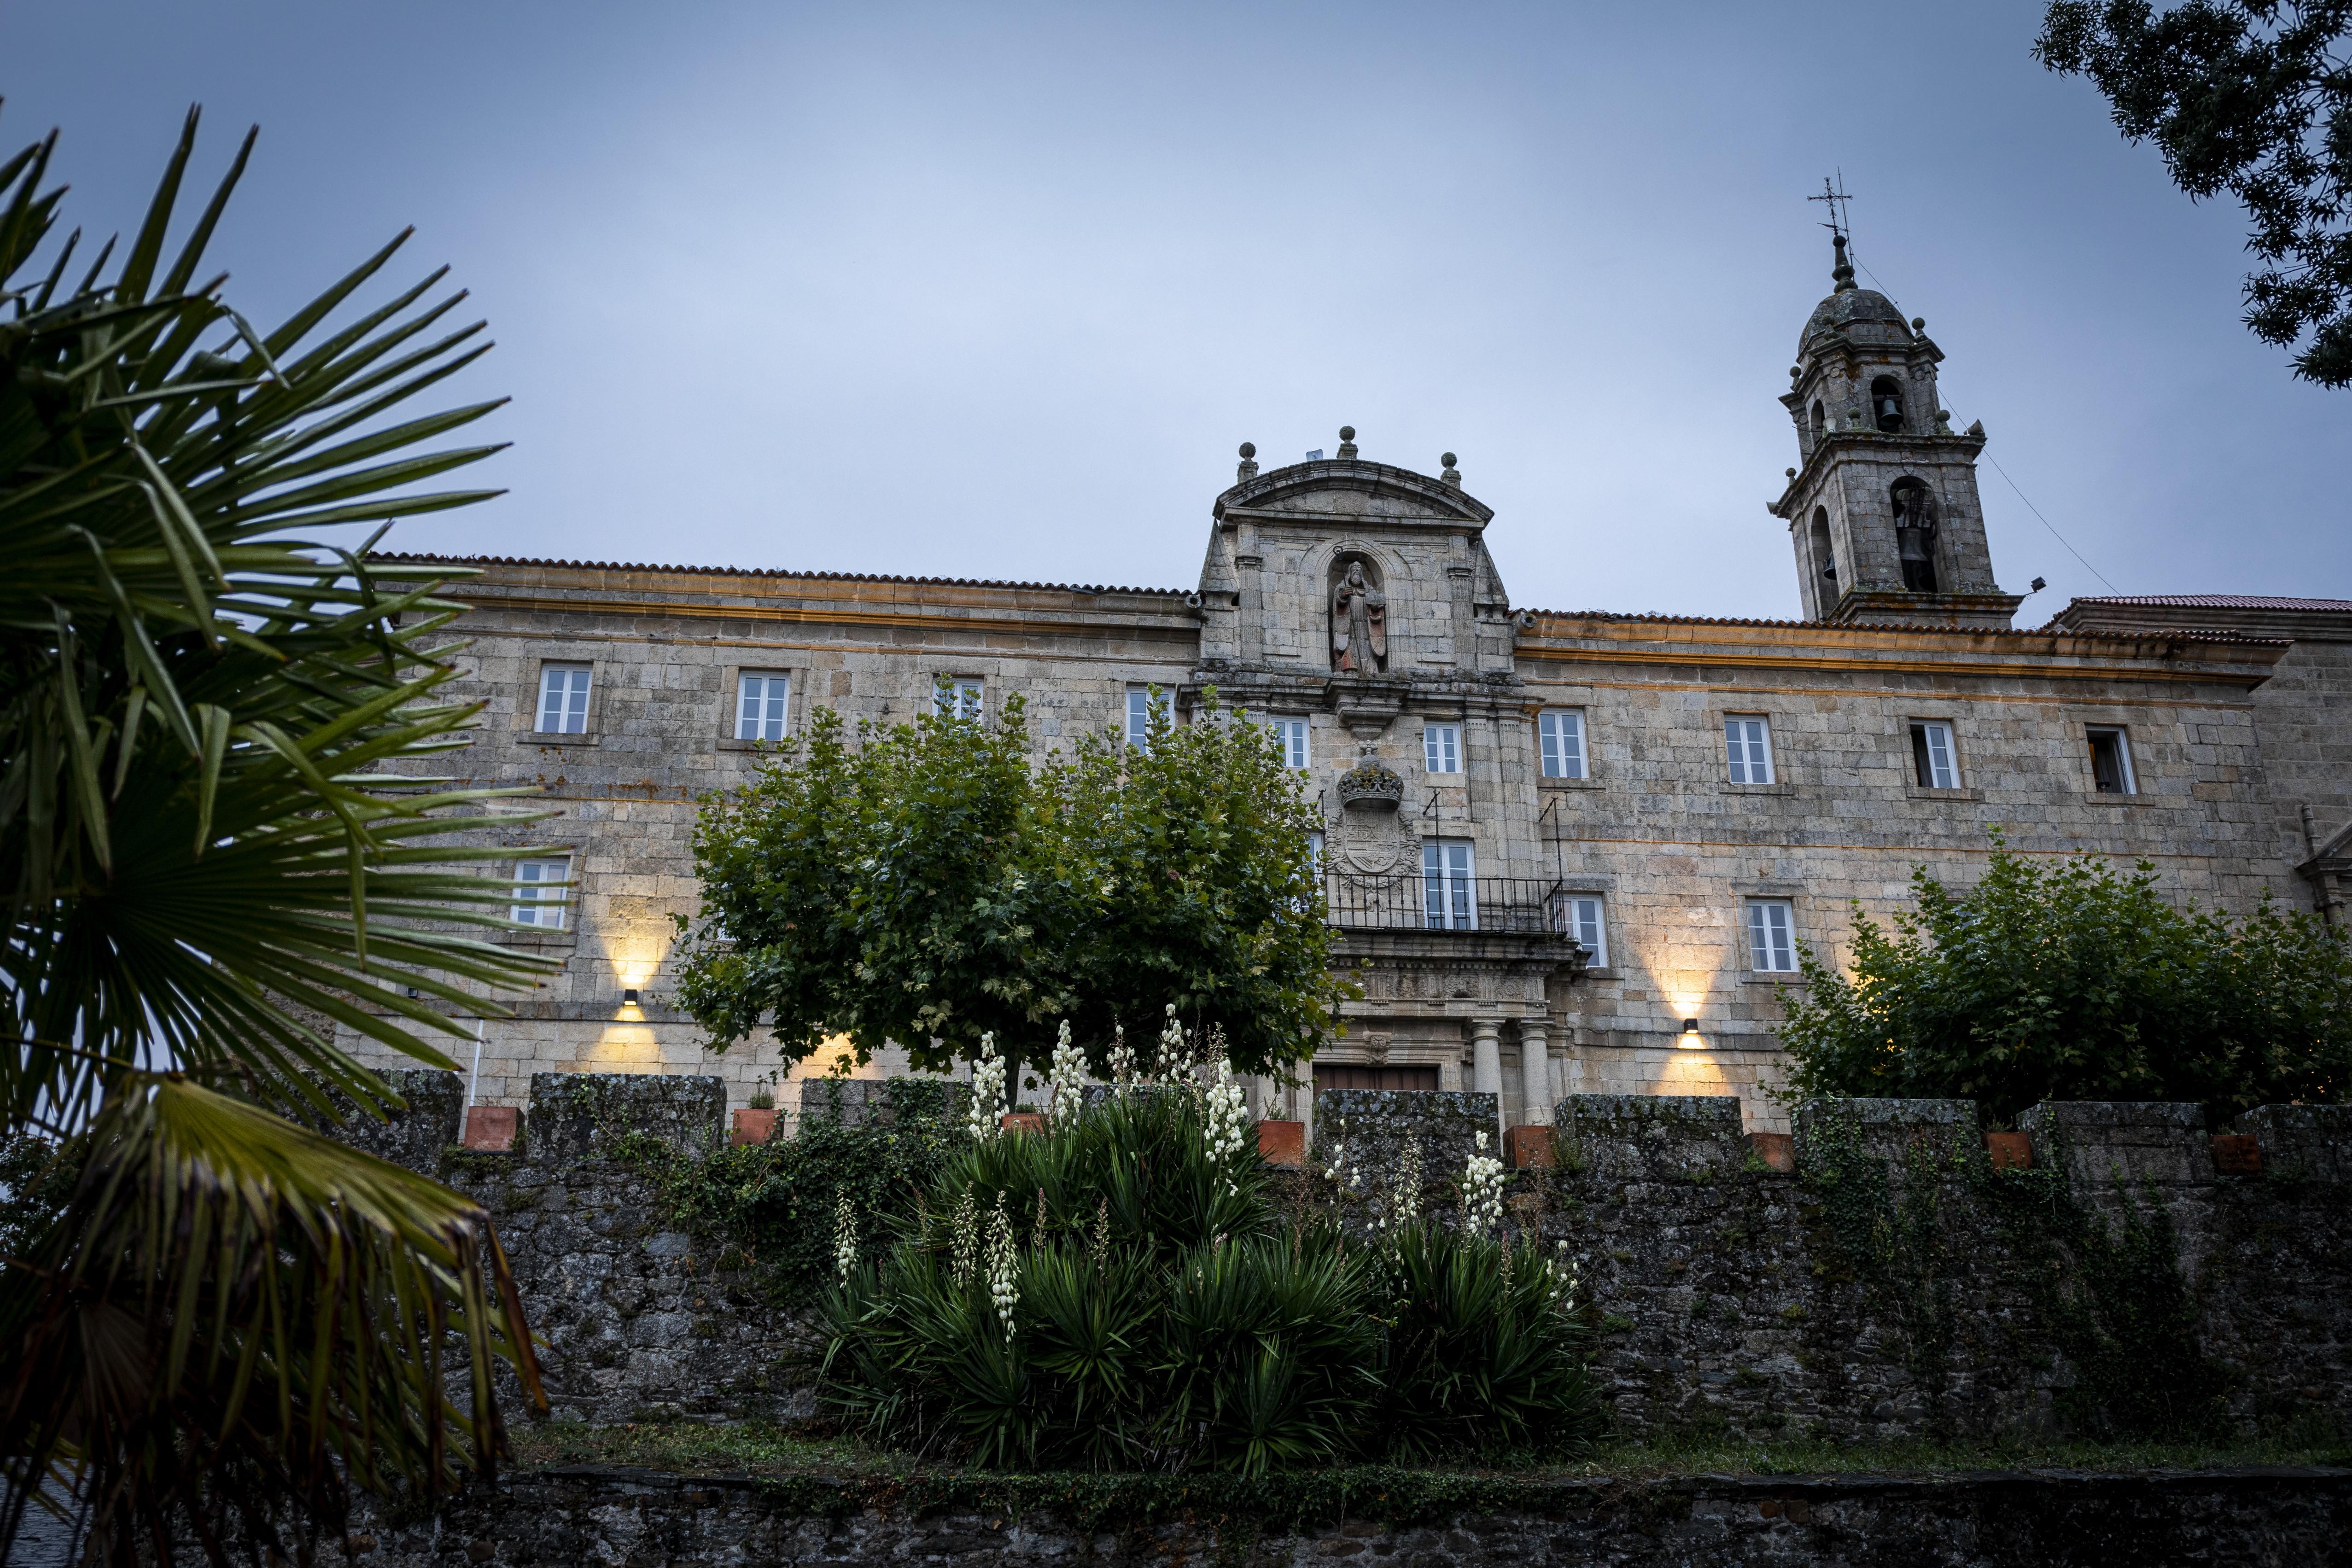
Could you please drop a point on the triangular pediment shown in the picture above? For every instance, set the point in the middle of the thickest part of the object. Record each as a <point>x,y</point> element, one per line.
<point>1333,491</point>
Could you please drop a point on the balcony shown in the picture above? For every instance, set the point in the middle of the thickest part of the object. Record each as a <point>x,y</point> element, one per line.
<point>1513,905</point>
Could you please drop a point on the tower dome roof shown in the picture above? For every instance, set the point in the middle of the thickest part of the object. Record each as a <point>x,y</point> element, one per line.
<point>1845,308</point>
<point>1848,306</point>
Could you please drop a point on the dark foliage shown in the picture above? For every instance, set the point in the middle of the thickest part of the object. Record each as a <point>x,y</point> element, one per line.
<point>2252,98</point>
<point>2069,980</point>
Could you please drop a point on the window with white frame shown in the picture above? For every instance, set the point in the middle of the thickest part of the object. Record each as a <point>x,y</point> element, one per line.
<point>1581,916</point>
<point>1771,936</point>
<point>1315,849</point>
<point>2111,766</point>
<point>1449,886</point>
<point>956,696</point>
<point>1141,701</point>
<point>1561,733</point>
<point>1441,747</point>
<point>564,699</point>
<point>763,704</point>
<point>1747,738</point>
<point>1933,761</point>
<point>1290,740</point>
<point>539,891</point>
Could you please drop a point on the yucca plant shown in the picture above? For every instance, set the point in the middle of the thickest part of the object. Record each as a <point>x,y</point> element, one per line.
<point>1109,1296</point>
<point>216,832</point>
<point>1484,1355</point>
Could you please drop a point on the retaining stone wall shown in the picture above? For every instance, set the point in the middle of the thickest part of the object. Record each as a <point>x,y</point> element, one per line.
<point>1727,1298</point>
<point>642,1321</point>
<point>631,1518</point>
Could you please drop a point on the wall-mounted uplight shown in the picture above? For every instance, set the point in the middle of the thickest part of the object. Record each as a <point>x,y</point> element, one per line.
<point>629,998</point>
<point>1689,1039</point>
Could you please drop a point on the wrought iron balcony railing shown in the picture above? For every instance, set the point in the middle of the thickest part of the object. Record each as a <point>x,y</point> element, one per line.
<point>1427,901</point>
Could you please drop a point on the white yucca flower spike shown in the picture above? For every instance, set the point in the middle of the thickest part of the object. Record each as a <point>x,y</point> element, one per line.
<point>845,1238</point>
<point>1122,1059</point>
<point>1004,1267</point>
<point>1069,1080</point>
<point>987,1091</point>
<point>1226,1125</point>
<point>1481,1191</point>
<point>963,1240</point>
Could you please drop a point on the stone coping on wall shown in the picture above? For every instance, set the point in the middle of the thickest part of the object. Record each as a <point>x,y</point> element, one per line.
<point>1972,1520</point>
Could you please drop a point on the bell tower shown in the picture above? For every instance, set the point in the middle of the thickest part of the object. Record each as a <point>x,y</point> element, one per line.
<point>1881,507</point>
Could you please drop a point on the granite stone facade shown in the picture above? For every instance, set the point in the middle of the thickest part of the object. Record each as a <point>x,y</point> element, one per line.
<point>1531,919</point>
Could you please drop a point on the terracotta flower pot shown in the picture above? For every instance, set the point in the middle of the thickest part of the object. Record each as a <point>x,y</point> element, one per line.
<point>1777,1150</point>
<point>1023,1121</point>
<point>1528,1148</point>
<point>2009,1151</point>
<point>493,1129</point>
<point>2237,1154</point>
<point>1282,1142</point>
<point>753,1125</point>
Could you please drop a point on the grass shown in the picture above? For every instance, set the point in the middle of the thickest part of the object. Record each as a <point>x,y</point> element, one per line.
<point>764,1449</point>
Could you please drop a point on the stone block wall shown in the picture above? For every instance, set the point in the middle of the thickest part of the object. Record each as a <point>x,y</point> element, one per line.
<point>639,1518</point>
<point>642,1319</point>
<point>1892,1286</point>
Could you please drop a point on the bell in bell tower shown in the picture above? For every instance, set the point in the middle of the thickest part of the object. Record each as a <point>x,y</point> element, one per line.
<point>1881,507</point>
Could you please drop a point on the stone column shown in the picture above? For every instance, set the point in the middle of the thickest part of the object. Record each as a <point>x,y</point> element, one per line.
<point>1535,1074</point>
<point>1486,1063</point>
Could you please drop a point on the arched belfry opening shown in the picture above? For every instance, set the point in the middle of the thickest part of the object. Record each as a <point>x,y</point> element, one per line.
<point>1887,403</point>
<point>1821,421</point>
<point>1824,555</point>
<point>1914,533</point>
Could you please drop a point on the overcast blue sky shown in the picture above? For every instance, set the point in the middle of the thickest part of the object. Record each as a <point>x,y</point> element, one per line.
<point>995,290</point>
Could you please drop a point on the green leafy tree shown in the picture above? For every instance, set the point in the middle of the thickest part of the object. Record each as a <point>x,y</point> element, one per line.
<point>925,885</point>
<point>2066,979</point>
<point>2252,98</point>
<point>213,832</point>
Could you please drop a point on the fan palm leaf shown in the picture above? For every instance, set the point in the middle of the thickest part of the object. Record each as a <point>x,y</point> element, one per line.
<point>222,847</point>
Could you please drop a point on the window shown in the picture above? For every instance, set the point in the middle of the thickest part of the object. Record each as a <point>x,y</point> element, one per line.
<point>956,696</point>
<point>1448,892</point>
<point>1750,743</point>
<point>1579,916</point>
<point>540,891</point>
<point>1441,747</point>
<point>1290,740</point>
<point>1562,731</point>
<point>564,699</point>
<point>1824,553</point>
<point>1771,936</point>
<point>1931,757</point>
<point>1315,849</point>
<point>1140,703</point>
<point>761,703</point>
<point>2111,769</point>
<point>1821,421</point>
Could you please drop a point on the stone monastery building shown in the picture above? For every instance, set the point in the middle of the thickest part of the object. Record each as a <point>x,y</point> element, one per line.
<point>1578,850</point>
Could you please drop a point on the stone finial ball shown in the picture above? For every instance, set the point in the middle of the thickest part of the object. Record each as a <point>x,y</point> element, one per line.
<point>1793,473</point>
<point>1347,432</point>
<point>1448,459</point>
<point>1249,449</point>
<point>1918,323</point>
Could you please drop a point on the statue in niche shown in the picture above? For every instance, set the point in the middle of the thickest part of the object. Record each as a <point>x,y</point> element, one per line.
<point>1914,535</point>
<point>1359,625</point>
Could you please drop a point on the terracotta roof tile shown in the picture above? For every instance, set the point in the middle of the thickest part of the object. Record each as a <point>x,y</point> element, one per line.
<point>2215,601</point>
<point>779,572</point>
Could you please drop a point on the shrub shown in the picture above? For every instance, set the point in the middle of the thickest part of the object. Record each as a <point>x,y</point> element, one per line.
<point>1114,1296</point>
<point>2069,980</point>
